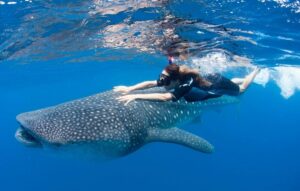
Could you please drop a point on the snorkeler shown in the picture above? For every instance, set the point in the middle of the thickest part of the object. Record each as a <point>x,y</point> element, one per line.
<point>182,81</point>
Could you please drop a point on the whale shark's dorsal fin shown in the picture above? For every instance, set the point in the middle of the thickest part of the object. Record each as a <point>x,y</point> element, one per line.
<point>181,137</point>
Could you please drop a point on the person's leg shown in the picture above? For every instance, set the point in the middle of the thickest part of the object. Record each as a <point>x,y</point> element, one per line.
<point>248,79</point>
<point>237,81</point>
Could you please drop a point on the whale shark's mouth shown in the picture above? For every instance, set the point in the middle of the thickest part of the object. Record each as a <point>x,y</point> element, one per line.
<point>24,137</point>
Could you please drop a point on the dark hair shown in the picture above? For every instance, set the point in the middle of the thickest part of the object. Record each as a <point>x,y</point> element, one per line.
<point>182,73</point>
<point>173,71</point>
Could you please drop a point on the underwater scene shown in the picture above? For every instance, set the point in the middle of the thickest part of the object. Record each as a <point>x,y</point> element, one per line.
<point>80,109</point>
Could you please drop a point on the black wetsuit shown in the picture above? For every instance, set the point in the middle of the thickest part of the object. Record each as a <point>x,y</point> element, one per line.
<point>191,91</point>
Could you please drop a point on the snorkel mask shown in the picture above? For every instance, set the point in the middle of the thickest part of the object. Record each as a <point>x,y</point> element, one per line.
<point>163,80</point>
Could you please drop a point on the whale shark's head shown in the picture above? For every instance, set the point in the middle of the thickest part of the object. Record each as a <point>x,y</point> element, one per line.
<point>25,133</point>
<point>39,127</point>
<point>48,126</point>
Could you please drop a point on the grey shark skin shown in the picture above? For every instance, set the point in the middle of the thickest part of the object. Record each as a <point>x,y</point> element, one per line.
<point>106,126</point>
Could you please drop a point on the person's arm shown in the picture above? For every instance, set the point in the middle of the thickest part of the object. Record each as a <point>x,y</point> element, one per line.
<point>139,86</point>
<point>143,85</point>
<point>152,96</point>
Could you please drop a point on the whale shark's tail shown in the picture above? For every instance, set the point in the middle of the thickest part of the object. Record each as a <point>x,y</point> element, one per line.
<point>181,137</point>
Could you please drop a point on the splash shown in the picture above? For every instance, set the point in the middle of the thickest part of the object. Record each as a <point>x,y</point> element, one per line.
<point>286,77</point>
<point>263,77</point>
<point>219,61</point>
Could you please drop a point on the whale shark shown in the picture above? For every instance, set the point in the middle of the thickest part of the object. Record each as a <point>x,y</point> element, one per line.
<point>108,127</point>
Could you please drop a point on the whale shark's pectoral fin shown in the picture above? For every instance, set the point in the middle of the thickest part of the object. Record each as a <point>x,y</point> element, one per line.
<point>181,137</point>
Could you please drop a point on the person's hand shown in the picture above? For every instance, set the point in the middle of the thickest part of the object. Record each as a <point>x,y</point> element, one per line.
<point>127,98</point>
<point>122,89</point>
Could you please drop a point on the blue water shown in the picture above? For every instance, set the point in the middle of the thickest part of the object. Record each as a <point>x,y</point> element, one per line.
<point>56,51</point>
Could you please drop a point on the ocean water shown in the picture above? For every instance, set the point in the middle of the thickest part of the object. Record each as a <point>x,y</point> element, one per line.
<point>54,51</point>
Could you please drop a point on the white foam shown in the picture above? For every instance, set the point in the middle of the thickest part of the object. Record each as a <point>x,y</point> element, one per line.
<point>11,3</point>
<point>2,3</point>
<point>216,62</point>
<point>288,56</point>
<point>287,51</point>
<point>288,79</point>
<point>219,62</point>
<point>285,38</point>
<point>263,77</point>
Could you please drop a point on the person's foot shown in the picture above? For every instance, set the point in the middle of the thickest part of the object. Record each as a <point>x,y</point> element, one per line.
<point>256,70</point>
<point>254,73</point>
